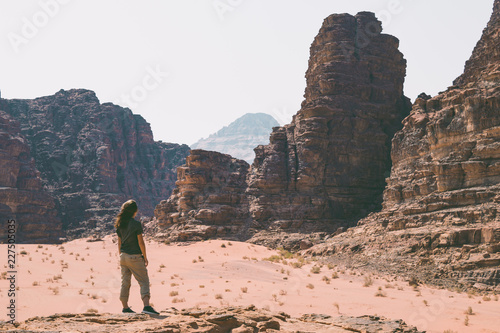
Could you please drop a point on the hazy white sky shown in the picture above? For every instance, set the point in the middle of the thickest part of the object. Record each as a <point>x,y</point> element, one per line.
<point>192,66</point>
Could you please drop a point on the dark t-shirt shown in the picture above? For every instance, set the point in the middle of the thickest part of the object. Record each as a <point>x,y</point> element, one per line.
<point>130,244</point>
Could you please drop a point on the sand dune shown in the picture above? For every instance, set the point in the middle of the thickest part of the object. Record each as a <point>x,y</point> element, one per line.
<point>79,276</point>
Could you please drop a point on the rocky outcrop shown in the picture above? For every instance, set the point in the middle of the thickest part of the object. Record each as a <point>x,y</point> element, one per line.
<point>22,197</point>
<point>210,193</point>
<point>211,320</point>
<point>327,168</point>
<point>93,156</point>
<point>239,138</point>
<point>442,201</point>
<point>483,64</point>
<point>447,154</point>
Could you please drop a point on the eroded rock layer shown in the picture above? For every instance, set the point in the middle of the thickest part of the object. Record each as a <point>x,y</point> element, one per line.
<point>93,156</point>
<point>22,197</point>
<point>209,200</point>
<point>327,168</point>
<point>442,201</point>
<point>236,319</point>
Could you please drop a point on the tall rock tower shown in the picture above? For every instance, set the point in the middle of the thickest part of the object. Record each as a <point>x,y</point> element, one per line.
<point>440,221</point>
<point>327,168</point>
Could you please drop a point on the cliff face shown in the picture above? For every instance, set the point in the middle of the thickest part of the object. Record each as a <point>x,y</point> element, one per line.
<point>446,159</point>
<point>239,138</point>
<point>93,156</point>
<point>327,168</point>
<point>442,201</point>
<point>210,193</point>
<point>483,64</point>
<point>22,197</point>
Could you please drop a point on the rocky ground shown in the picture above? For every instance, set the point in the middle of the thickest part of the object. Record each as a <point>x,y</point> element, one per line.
<point>418,256</point>
<point>212,320</point>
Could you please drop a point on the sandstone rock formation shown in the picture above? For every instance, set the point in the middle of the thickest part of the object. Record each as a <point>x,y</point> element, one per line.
<point>93,156</point>
<point>442,202</point>
<point>326,169</point>
<point>22,197</point>
<point>239,138</point>
<point>210,193</point>
<point>210,320</point>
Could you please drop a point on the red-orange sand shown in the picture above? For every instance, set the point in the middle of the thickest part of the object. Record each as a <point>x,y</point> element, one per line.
<point>80,275</point>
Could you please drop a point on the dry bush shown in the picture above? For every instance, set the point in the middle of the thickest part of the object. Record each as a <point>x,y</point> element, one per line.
<point>380,293</point>
<point>315,269</point>
<point>55,290</point>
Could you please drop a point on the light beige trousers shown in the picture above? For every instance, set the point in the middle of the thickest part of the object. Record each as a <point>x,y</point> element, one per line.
<point>133,264</point>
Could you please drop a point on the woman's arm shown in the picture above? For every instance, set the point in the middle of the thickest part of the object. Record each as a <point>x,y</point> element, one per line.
<point>143,248</point>
<point>119,245</point>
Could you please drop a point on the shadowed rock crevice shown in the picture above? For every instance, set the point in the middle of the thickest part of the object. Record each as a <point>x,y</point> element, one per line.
<point>22,197</point>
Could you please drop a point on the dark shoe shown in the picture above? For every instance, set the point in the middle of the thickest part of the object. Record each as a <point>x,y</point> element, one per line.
<point>128,310</point>
<point>149,310</point>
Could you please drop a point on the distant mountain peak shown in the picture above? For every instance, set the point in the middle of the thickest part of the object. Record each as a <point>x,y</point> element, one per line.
<point>239,138</point>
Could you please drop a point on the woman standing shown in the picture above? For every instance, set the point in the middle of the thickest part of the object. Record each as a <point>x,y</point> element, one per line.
<point>133,258</point>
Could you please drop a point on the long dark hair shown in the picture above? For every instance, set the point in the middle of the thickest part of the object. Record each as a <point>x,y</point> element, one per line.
<point>127,211</point>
